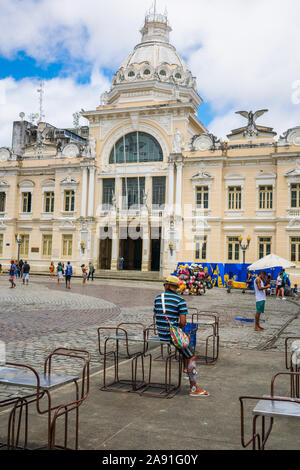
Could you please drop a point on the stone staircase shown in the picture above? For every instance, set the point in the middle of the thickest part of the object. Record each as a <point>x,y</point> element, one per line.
<point>132,275</point>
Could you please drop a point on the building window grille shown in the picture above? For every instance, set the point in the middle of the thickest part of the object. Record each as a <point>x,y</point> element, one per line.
<point>108,192</point>
<point>24,247</point>
<point>2,201</point>
<point>26,202</point>
<point>233,249</point>
<point>266,197</point>
<point>49,202</point>
<point>158,190</point>
<point>201,248</point>
<point>47,245</point>
<point>133,191</point>
<point>67,242</point>
<point>295,249</point>
<point>69,201</point>
<point>202,197</point>
<point>295,195</point>
<point>136,147</point>
<point>264,246</point>
<point>234,198</point>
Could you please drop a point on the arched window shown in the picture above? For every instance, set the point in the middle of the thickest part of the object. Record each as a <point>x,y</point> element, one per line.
<point>136,147</point>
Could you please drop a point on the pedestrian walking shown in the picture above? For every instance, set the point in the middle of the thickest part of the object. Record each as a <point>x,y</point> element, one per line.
<point>84,274</point>
<point>280,287</point>
<point>20,267</point>
<point>25,272</point>
<point>59,271</point>
<point>121,263</point>
<point>260,287</point>
<point>91,271</point>
<point>176,311</point>
<point>68,275</point>
<point>51,270</point>
<point>12,274</point>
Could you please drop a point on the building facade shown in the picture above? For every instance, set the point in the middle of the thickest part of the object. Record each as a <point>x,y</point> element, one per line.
<point>147,182</point>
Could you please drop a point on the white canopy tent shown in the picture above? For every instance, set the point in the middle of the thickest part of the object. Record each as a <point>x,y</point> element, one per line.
<point>270,261</point>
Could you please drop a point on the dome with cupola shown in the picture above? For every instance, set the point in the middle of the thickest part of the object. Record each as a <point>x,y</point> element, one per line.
<point>154,58</point>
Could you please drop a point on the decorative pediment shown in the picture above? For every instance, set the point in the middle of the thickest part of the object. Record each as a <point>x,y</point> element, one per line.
<point>294,224</point>
<point>201,177</point>
<point>293,174</point>
<point>68,180</point>
<point>291,136</point>
<point>5,154</point>
<point>26,184</point>
<point>204,142</point>
<point>3,184</point>
<point>71,151</point>
<point>236,179</point>
<point>48,183</point>
<point>265,177</point>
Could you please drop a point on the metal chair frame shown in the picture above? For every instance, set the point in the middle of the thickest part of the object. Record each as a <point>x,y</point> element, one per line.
<point>259,440</point>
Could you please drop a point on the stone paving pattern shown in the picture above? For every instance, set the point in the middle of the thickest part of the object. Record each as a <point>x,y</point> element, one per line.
<point>37,318</point>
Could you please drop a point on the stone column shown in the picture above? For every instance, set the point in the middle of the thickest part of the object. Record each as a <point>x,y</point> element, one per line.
<point>91,192</point>
<point>114,249</point>
<point>179,167</point>
<point>146,247</point>
<point>171,188</point>
<point>84,192</point>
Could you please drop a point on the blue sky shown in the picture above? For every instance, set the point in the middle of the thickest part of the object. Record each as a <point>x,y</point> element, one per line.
<point>244,55</point>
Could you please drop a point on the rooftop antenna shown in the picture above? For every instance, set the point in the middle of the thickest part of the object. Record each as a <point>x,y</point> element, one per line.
<point>41,93</point>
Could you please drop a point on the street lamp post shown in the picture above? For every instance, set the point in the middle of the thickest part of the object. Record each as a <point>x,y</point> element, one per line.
<point>244,248</point>
<point>19,242</point>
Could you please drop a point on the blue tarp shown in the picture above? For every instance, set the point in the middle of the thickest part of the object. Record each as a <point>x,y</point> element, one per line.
<point>222,272</point>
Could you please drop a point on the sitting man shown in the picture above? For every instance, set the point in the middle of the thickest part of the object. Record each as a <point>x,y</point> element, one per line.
<point>176,311</point>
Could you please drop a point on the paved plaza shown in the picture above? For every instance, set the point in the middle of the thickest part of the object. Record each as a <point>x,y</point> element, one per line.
<point>37,318</point>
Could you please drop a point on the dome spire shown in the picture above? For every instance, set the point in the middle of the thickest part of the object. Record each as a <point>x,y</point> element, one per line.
<point>156,27</point>
<point>153,16</point>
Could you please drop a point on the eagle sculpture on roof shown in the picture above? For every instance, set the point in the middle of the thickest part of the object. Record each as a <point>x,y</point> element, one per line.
<point>251,126</point>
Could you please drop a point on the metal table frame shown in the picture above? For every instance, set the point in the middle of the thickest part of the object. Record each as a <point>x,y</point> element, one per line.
<point>259,439</point>
<point>138,359</point>
<point>42,384</point>
<point>210,320</point>
<point>295,380</point>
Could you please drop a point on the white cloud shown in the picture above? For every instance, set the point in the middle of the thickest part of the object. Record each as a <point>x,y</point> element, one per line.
<point>62,98</point>
<point>244,54</point>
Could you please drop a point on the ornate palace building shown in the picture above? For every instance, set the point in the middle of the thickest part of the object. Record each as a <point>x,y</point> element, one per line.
<point>146,181</point>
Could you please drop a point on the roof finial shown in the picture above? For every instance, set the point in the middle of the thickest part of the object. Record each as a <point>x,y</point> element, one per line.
<point>153,14</point>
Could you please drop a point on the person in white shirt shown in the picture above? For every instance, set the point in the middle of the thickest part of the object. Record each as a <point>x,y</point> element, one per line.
<point>260,295</point>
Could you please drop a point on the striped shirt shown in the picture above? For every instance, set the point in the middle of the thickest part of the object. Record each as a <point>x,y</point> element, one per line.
<point>175,306</point>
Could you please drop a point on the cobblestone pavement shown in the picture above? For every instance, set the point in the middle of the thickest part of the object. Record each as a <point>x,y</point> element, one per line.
<point>37,318</point>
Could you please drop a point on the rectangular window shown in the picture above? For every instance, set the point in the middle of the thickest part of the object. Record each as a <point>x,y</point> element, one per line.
<point>2,201</point>
<point>24,248</point>
<point>133,191</point>
<point>26,202</point>
<point>67,242</point>
<point>69,201</point>
<point>295,195</point>
<point>234,197</point>
<point>201,248</point>
<point>202,197</point>
<point>295,249</point>
<point>266,197</point>
<point>233,249</point>
<point>49,202</point>
<point>47,245</point>
<point>264,246</point>
<point>108,192</point>
<point>158,190</point>
<point>1,243</point>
